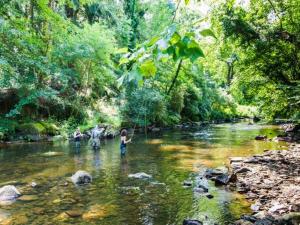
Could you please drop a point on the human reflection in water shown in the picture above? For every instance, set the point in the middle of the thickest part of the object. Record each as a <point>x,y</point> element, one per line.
<point>124,164</point>
<point>96,158</point>
<point>78,159</point>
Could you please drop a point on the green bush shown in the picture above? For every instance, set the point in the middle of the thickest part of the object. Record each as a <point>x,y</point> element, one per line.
<point>31,128</point>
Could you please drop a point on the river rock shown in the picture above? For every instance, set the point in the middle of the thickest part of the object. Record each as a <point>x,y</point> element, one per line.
<point>28,198</point>
<point>33,184</point>
<point>209,173</point>
<point>74,213</point>
<point>261,137</point>
<point>236,159</point>
<point>81,177</point>
<point>192,222</point>
<point>187,183</point>
<point>9,193</point>
<point>224,179</point>
<point>242,170</point>
<point>209,196</point>
<point>140,175</point>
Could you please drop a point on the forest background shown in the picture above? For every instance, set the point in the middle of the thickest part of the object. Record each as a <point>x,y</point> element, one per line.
<point>69,63</point>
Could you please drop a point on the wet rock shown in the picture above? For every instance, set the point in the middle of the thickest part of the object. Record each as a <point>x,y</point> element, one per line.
<point>187,183</point>
<point>81,177</point>
<point>209,196</point>
<point>192,222</point>
<point>74,213</point>
<point>33,184</point>
<point>261,137</point>
<point>9,193</point>
<point>251,160</point>
<point>242,170</point>
<point>209,173</point>
<point>224,179</point>
<point>251,219</point>
<point>265,221</point>
<point>140,175</point>
<point>291,218</point>
<point>283,138</point>
<point>243,222</point>
<point>202,187</point>
<point>236,159</point>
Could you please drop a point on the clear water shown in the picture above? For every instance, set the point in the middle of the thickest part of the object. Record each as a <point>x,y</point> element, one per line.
<point>112,197</point>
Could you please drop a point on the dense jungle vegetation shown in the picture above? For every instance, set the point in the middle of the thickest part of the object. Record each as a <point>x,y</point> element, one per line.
<point>65,63</point>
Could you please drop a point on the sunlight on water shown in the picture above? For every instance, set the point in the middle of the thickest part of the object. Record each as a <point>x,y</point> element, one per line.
<point>113,197</point>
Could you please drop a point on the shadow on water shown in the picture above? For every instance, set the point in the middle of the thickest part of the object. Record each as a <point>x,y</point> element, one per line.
<point>113,197</point>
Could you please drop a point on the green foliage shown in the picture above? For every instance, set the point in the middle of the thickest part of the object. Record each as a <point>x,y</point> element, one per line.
<point>61,58</point>
<point>144,106</point>
<point>266,38</point>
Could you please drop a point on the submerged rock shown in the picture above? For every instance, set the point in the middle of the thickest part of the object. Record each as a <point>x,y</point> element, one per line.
<point>261,137</point>
<point>201,189</point>
<point>97,212</point>
<point>192,222</point>
<point>81,177</point>
<point>140,175</point>
<point>52,153</point>
<point>9,193</point>
<point>28,198</point>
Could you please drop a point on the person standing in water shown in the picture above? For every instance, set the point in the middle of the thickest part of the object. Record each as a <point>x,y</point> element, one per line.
<point>96,135</point>
<point>77,135</point>
<point>124,141</point>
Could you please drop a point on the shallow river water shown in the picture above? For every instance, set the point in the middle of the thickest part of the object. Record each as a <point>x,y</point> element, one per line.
<point>113,197</point>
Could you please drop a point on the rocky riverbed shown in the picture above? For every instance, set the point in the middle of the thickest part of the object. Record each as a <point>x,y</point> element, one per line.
<point>272,182</point>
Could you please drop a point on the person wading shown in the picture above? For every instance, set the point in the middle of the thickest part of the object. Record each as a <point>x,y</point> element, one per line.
<point>77,135</point>
<point>96,134</point>
<point>124,141</point>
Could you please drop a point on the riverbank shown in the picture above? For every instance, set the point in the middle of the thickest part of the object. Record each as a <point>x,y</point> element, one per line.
<point>272,182</point>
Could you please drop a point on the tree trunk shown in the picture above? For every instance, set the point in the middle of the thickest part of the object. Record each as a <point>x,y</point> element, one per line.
<point>175,77</point>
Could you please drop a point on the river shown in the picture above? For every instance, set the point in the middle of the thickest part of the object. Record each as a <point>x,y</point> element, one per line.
<point>113,198</point>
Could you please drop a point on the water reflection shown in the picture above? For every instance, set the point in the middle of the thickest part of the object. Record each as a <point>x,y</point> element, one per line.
<point>170,158</point>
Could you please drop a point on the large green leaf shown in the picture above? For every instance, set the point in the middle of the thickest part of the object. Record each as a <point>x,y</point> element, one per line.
<point>148,68</point>
<point>122,50</point>
<point>153,41</point>
<point>208,32</point>
<point>186,1</point>
<point>174,38</point>
<point>120,81</point>
<point>123,61</point>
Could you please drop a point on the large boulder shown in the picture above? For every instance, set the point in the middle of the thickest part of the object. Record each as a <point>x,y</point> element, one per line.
<point>81,177</point>
<point>9,193</point>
